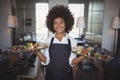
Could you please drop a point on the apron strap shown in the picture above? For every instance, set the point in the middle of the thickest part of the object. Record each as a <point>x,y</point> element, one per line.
<point>51,43</point>
<point>69,42</point>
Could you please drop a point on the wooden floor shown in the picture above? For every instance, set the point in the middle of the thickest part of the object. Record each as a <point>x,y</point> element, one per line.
<point>42,77</point>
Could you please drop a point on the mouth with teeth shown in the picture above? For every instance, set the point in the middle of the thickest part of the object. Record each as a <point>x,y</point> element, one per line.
<point>59,29</point>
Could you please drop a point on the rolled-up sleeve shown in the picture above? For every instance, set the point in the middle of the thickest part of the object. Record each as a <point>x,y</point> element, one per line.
<point>73,55</point>
<point>46,52</point>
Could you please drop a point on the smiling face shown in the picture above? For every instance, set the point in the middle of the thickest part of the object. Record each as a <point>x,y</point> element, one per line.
<point>59,25</point>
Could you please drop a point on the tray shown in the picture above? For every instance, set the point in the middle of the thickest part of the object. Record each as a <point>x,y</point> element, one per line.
<point>79,50</point>
<point>23,48</point>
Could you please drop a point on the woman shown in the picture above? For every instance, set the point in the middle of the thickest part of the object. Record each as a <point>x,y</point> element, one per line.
<point>58,57</point>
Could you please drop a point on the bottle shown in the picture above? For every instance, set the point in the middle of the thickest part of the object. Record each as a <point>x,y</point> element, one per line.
<point>33,38</point>
<point>86,45</point>
<point>96,48</point>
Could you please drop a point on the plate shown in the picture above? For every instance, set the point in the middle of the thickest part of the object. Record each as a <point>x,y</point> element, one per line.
<point>107,58</point>
<point>98,56</point>
<point>78,49</point>
<point>42,46</point>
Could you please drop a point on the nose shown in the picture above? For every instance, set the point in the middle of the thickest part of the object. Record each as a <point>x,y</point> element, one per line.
<point>57,24</point>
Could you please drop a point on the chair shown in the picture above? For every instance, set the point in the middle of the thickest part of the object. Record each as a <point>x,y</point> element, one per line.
<point>31,72</point>
<point>88,70</point>
<point>113,69</point>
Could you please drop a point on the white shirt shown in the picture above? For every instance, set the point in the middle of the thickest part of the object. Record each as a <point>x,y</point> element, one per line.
<point>63,41</point>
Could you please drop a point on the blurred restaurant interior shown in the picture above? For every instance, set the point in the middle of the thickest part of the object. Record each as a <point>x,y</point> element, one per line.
<point>22,22</point>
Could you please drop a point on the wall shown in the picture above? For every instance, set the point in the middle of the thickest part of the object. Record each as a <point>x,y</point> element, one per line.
<point>57,2</point>
<point>25,11</point>
<point>111,10</point>
<point>5,35</point>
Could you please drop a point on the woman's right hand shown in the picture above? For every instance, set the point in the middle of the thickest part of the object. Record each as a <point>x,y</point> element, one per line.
<point>35,45</point>
<point>35,48</point>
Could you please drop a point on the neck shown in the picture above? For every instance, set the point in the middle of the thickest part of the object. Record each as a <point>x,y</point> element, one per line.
<point>60,36</point>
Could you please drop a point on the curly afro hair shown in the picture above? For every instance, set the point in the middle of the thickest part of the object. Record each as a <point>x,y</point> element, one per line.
<point>62,12</point>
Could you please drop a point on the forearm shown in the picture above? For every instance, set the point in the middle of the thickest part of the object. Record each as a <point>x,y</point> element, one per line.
<point>41,56</point>
<point>77,60</point>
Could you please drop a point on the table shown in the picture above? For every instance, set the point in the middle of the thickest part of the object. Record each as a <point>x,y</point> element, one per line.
<point>12,65</point>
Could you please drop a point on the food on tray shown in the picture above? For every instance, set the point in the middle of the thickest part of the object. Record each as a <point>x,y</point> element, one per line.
<point>77,49</point>
<point>28,47</point>
<point>17,48</point>
<point>84,51</point>
<point>97,55</point>
<point>80,50</point>
<point>14,48</point>
<point>106,57</point>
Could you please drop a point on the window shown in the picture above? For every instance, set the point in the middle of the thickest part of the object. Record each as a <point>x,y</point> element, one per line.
<point>77,11</point>
<point>41,29</point>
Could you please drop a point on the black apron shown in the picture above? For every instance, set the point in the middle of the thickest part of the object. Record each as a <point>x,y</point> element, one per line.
<point>59,68</point>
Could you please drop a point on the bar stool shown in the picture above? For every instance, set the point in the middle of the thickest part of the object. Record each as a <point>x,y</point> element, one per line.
<point>87,71</point>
